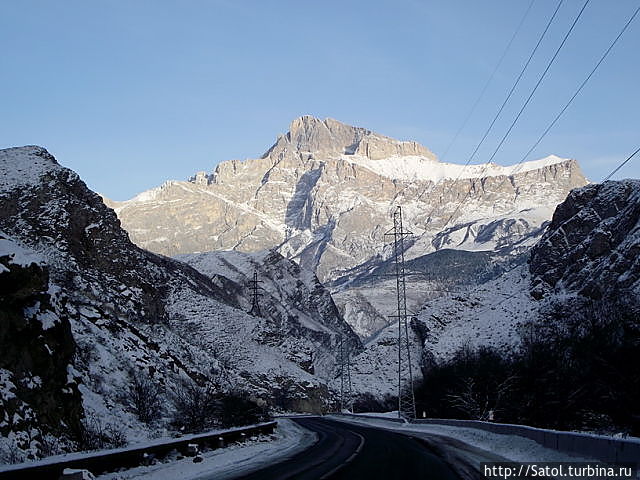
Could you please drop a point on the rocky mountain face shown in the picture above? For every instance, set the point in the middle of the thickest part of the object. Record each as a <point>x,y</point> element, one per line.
<point>591,246</point>
<point>559,335</point>
<point>289,298</point>
<point>324,194</point>
<point>39,396</point>
<point>95,310</point>
<point>588,252</point>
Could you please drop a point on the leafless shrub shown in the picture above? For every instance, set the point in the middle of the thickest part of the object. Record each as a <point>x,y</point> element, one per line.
<point>479,405</point>
<point>98,435</point>
<point>10,453</point>
<point>194,406</point>
<point>145,398</point>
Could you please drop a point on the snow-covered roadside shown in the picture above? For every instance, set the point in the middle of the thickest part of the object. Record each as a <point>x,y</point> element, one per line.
<point>510,447</point>
<point>228,462</point>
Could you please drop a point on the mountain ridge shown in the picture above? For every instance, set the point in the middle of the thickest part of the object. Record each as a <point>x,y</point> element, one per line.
<point>318,200</point>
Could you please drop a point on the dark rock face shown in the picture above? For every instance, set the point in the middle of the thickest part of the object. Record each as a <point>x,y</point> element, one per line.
<point>592,244</point>
<point>38,389</point>
<point>61,211</point>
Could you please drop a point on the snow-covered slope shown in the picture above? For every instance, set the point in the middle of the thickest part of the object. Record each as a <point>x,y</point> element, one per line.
<point>290,298</point>
<point>130,311</point>
<point>489,314</point>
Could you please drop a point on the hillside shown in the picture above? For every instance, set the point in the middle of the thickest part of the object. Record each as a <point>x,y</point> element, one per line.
<point>109,310</point>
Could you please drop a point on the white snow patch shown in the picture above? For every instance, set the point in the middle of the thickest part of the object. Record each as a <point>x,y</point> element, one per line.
<point>17,254</point>
<point>422,168</point>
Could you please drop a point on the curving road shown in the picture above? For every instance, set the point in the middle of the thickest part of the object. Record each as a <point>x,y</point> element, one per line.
<point>350,452</point>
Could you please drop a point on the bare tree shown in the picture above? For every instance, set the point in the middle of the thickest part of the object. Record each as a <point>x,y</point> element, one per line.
<point>194,406</point>
<point>145,397</point>
<point>478,405</point>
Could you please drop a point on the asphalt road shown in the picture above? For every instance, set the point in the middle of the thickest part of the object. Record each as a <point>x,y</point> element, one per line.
<point>352,452</point>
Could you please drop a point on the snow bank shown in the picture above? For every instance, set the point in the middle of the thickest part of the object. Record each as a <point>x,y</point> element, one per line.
<point>511,447</point>
<point>231,461</point>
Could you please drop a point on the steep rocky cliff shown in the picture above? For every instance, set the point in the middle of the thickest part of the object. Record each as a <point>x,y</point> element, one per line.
<point>39,396</point>
<point>289,298</point>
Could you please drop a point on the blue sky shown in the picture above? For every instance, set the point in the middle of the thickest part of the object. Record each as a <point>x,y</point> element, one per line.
<point>132,93</point>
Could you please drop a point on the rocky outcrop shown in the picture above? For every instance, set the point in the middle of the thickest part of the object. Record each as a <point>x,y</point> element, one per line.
<point>290,298</point>
<point>591,246</point>
<point>39,394</point>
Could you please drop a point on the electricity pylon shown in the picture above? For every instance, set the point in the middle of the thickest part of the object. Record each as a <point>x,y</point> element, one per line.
<point>346,397</point>
<point>406,397</point>
<point>255,294</point>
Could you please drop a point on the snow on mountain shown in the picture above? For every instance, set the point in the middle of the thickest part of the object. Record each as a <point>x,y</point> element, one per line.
<point>323,195</point>
<point>127,311</point>
<point>374,372</point>
<point>415,168</point>
<point>290,297</point>
<point>489,314</point>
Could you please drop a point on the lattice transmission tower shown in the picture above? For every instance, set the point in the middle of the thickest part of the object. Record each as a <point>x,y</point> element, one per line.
<point>406,397</point>
<point>346,395</point>
<point>254,286</point>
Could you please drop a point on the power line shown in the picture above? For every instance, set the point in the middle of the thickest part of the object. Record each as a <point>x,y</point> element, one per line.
<point>506,100</point>
<point>515,84</point>
<point>486,85</point>
<point>544,74</point>
<point>621,165</point>
<point>579,89</point>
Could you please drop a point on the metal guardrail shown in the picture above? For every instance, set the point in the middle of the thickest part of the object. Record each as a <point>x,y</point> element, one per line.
<point>598,447</point>
<point>105,461</point>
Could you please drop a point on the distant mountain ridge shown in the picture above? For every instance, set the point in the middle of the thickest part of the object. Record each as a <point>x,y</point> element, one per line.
<point>323,195</point>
